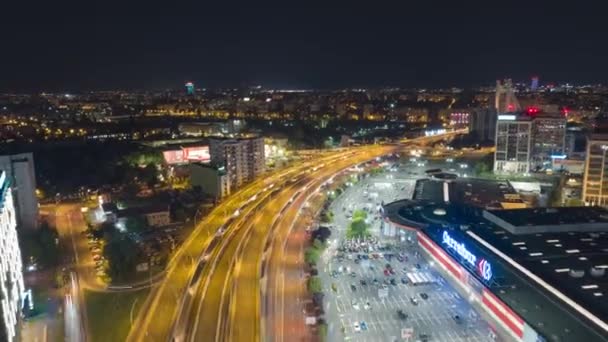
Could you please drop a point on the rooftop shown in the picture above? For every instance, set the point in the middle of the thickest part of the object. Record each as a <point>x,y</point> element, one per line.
<point>472,191</point>
<point>557,268</point>
<point>143,210</point>
<point>544,220</point>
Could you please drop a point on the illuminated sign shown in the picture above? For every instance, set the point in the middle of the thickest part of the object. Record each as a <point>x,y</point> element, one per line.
<point>482,266</point>
<point>200,153</point>
<point>507,117</point>
<point>485,269</point>
<point>187,154</point>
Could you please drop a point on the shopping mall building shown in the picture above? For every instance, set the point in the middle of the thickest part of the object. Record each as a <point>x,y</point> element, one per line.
<point>539,274</point>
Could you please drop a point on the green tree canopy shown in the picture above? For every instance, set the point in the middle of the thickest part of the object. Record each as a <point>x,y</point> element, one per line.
<point>357,229</point>
<point>314,285</point>
<point>312,255</point>
<point>122,255</point>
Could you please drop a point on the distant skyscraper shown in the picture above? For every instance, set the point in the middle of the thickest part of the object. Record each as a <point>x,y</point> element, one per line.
<point>20,171</point>
<point>190,88</point>
<point>11,268</point>
<point>505,101</point>
<point>548,139</point>
<point>534,84</point>
<point>513,144</point>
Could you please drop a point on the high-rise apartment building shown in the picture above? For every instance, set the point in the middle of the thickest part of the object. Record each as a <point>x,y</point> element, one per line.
<point>11,268</point>
<point>243,159</point>
<point>20,171</point>
<point>513,144</point>
<point>548,139</point>
<point>595,183</point>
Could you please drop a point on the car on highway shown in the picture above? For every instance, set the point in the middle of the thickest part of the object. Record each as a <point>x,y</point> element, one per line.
<point>414,301</point>
<point>402,315</point>
<point>357,327</point>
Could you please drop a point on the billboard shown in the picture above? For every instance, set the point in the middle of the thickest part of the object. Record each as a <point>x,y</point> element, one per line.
<point>197,154</point>
<point>173,157</point>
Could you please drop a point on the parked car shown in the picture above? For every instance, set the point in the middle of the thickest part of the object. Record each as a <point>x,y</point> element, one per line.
<point>363,326</point>
<point>414,301</point>
<point>402,315</point>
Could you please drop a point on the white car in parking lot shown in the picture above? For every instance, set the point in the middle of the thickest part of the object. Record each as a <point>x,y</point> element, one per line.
<point>357,327</point>
<point>355,304</point>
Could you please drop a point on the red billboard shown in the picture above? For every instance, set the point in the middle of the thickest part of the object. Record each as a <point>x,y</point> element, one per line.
<point>198,154</point>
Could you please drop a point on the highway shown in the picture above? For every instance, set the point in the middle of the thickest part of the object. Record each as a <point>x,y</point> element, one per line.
<point>212,286</point>
<point>156,319</point>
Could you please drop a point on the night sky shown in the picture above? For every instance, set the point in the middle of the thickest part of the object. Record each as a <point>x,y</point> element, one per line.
<point>82,46</point>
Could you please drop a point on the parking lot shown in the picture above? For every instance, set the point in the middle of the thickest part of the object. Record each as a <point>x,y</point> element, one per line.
<point>364,296</point>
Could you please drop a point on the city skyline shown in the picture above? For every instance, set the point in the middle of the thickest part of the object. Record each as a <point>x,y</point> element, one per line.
<point>61,47</point>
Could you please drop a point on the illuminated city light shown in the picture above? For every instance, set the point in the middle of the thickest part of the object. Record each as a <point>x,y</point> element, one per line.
<point>11,277</point>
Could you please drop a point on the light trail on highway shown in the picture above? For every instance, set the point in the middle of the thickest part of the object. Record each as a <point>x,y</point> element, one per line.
<point>212,288</point>
<point>160,310</point>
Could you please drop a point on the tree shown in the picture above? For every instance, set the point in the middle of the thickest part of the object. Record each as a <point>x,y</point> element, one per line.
<point>135,224</point>
<point>41,246</point>
<point>312,255</point>
<point>318,245</point>
<point>314,285</point>
<point>122,255</point>
<point>149,175</point>
<point>327,217</point>
<point>359,214</point>
<point>357,229</point>
<point>321,234</point>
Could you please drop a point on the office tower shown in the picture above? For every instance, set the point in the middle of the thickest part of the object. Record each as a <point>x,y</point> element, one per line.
<point>243,159</point>
<point>513,144</point>
<point>595,183</point>
<point>190,88</point>
<point>20,171</point>
<point>505,101</point>
<point>549,140</point>
<point>11,276</point>
<point>534,84</point>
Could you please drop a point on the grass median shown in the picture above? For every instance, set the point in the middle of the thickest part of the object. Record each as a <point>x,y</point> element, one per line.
<point>110,313</point>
